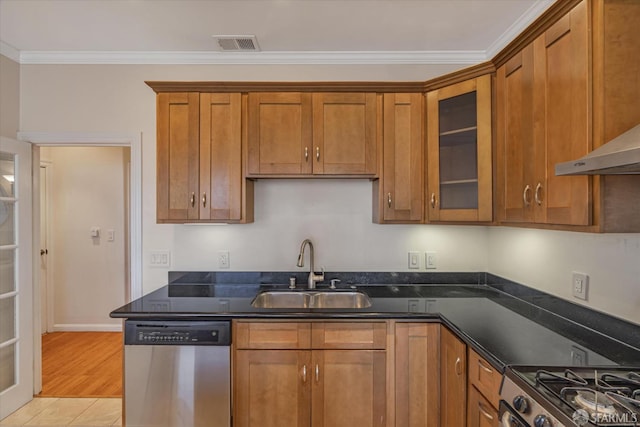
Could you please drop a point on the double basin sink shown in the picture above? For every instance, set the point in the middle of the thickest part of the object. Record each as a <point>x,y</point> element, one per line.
<point>312,299</point>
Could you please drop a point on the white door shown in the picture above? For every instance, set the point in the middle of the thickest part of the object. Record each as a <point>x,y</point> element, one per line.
<point>44,248</point>
<point>16,285</point>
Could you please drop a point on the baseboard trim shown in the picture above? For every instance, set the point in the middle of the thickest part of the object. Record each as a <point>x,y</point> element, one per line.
<point>80,327</point>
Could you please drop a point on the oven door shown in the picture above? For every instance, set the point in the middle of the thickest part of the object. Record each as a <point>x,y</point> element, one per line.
<point>509,417</point>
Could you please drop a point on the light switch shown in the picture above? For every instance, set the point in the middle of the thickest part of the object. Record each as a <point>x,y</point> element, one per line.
<point>95,231</point>
<point>414,260</point>
<point>111,235</point>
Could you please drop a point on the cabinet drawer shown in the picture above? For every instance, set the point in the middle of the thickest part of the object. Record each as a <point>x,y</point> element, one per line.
<point>349,335</point>
<point>484,377</point>
<point>480,413</point>
<point>272,335</point>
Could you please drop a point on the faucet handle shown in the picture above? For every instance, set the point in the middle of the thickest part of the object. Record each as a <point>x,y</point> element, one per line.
<point>333,283</point>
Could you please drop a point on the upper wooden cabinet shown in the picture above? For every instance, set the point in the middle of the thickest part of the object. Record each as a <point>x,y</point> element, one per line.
<point>569,90</point>
<point>459,161</point>
<point>400,190</point>
<point>542,119</point>
<point>280,134</point>
<point>295,133</point>
<point>199,159</point>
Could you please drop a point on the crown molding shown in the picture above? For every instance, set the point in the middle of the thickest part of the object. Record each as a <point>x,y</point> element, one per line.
<point>518,26</point>
<point>9,51</point>
<point>254,58</point>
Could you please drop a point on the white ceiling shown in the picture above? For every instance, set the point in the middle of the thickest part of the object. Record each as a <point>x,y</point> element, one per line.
<point>288,31</point>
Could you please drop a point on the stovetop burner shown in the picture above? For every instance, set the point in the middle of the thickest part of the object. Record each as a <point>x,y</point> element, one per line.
<point>610,396</point>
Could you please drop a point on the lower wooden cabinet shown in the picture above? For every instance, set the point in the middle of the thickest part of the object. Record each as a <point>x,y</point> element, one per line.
<point>453,379</point>
<point>480,413</point>
<point>394,373</point>
<point>337,379</point>
<point>416,374</point>
<point>484,392</point>
<point>272,388</point>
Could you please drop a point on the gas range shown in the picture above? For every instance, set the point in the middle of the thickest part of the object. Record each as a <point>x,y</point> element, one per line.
<point>559,397</point>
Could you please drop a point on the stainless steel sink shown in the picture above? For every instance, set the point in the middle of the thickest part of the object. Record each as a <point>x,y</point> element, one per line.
<point>311,299</point>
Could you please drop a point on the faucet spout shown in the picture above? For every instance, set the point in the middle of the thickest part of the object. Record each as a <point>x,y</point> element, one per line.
<point>313,277</point>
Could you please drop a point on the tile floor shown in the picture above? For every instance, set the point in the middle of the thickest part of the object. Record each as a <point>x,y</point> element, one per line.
<point>63,412</point>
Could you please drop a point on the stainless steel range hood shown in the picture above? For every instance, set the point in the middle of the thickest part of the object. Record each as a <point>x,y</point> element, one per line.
<point>619,156</point>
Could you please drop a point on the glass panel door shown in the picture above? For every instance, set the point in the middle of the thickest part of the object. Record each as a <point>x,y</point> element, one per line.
<point>16,317</point>
<point>458,152</point>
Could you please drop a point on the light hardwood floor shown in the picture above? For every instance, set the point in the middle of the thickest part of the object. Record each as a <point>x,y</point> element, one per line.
<point>82,364</point>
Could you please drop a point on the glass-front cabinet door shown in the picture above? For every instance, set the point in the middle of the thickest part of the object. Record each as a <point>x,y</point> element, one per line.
<point>459,175</point>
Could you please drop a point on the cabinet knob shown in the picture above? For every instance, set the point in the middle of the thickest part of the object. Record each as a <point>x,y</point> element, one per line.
<point>318,153</point>
<point>204,200</point>
<point>536,194</point>
<point>306,154</point>
<point>389,199</point>
<point>193,199</point>
<point>525,195</point>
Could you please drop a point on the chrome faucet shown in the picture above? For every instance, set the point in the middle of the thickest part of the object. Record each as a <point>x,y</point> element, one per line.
<point>313,277</point>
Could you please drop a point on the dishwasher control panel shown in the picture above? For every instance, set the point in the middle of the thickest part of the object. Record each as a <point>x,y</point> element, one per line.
<point>148,332</point>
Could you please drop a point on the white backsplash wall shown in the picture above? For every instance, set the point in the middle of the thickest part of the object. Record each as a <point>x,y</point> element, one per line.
<point>336,215</point>
<point>545,260</point>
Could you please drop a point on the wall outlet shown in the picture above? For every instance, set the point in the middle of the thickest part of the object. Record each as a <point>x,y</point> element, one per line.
<point>580,285</point>
<point>223,259</point>
<point>414,260</point>
<point>430,260</point>
<point>160,259</point>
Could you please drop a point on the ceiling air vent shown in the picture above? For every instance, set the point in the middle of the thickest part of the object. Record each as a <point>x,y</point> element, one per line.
<point>237,43</point>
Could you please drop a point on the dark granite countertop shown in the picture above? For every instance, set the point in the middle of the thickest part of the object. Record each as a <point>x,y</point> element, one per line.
<point>507,323</point>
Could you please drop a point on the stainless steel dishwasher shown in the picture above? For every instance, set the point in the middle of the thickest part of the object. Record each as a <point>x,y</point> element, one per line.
<point>177,373</point>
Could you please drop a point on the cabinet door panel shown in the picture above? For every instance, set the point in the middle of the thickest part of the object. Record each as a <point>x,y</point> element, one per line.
<point>349,389</point>
<point>416,370</point>
<point>562,62</point>
<point>272,388</point>
<point>459,159</point>
<point>279,133</point>
<point>453,380</point>
<point>516,155</point>
<point>220,156</point>
<point>402,175</point>
<point>177,156</point>
<point>344,133</point>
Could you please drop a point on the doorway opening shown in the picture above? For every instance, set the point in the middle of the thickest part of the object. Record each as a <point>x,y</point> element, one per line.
<point>133,244</point>
<point>84,268</point>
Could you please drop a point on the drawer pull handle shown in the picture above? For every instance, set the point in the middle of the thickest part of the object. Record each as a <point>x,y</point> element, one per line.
<point>389,199</point>
<point>525,195</point>
<point>486,414</point>
<point>318,153</point>
<point>536,194</point>
<point>193,199</point>
<point>317,373</point>
<point>484,368</point>
<point>306,154</point>
<point>204,200</point>
<point>304,373</point>
<point>433,200</point>
<point>458,366</point>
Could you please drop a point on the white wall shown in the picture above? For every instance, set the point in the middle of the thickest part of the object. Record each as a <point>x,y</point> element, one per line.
<point>88,189</point>
<point>545,260</point>
<point>9,97</point>
<point>114,98</point>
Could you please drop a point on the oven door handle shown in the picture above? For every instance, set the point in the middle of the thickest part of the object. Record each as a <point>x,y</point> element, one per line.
<point>508,418</point>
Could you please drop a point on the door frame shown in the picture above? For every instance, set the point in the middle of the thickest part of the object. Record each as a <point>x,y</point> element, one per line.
<point>92,139</point>
<point>48,172</point>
